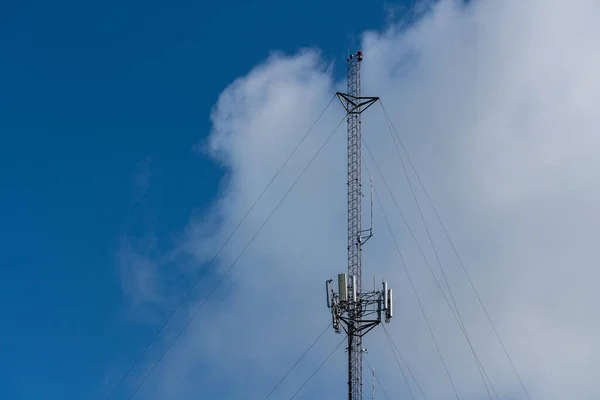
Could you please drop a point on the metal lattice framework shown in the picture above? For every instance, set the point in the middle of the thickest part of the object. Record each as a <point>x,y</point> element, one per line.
<point>357,312</point>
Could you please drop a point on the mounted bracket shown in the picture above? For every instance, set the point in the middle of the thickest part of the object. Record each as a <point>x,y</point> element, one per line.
<point>372,305</point>
<point>354,104</point>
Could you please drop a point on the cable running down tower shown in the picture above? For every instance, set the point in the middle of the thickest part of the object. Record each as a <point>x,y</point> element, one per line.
<point>354,310</point>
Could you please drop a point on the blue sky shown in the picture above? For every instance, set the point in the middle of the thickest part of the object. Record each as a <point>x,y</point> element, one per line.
<point>95,97</point>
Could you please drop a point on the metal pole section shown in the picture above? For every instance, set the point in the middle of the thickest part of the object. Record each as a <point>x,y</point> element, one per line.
<point>354,233</point>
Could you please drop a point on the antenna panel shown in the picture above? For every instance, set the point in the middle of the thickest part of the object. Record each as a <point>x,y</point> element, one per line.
<point>390,310</point>
<point>343,286</point>
<point>385,296</point>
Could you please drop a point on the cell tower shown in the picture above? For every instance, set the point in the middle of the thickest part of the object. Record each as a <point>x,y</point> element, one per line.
<point>354,310</point>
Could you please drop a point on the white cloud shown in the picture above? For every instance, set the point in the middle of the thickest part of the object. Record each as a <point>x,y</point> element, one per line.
<point>495,102</point>
<point>140,277</point>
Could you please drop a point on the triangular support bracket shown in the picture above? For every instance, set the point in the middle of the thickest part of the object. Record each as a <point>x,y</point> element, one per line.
<point>356,104</point>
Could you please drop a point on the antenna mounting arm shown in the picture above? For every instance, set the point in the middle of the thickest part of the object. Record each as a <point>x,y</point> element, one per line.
<point>356,104</point>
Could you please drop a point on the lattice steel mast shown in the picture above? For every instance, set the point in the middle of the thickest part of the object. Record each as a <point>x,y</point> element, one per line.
<point>357,312</point>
